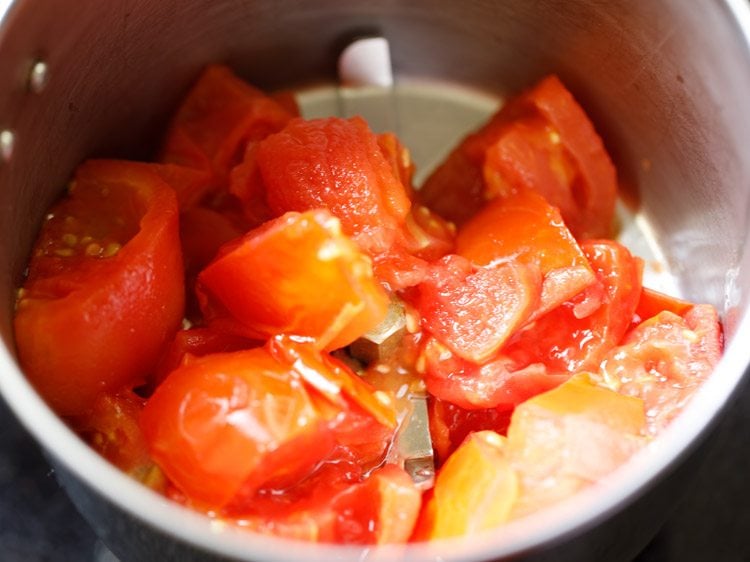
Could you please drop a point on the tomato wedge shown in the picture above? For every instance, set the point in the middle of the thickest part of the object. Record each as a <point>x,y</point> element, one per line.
<point>541,139</point>
<point>218,117</point>
<point>297,274</point>
<point>523,227</point>
<point>105,279</point>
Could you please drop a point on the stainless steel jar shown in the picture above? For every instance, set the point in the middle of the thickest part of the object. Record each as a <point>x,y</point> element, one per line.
<point>666,82</point>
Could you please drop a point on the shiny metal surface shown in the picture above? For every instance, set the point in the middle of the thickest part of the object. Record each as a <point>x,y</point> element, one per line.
<point>666,82</point>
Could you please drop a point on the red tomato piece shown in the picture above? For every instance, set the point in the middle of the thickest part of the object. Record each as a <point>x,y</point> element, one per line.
<point>530,155</point>
<point>450,424</point>
<point>111,428</point>
<point>105,279</point>
<point>335,164</point>
<point>525,228</point>
<point>337,504</point>
<point>574,338</point>
<point>546,142</point>
<point>399,158</point>
<point>497,383</point>
<point>218,117</point>
<point>664,360</point>
<point>595,189</point>
<point>297,274</point>
<point>246,183</point>
<point>473,310</point>
<point>190,184</point>
<point>234,420</point>
<point>202,232</point>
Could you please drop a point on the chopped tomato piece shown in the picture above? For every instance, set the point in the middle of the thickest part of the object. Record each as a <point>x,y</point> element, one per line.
<point>496,383</point>
<point>525,228</point>
<point>335,164</point>
<point>219,116</point>
<point>473,310</point>
<point>399,158</point>
<point>337,504</point>
<point>474,490</point>
<point>450,424</point>
<point>546,141</point>
<point>234,420</point>
<point>111,428</point>
<point>570,437</point>
<point>577,335</point>
<point>664,360</point>
<point>297,274</point>
<point>105,279</point>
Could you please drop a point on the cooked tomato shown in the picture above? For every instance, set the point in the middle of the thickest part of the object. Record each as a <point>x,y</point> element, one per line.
<point>523,227</point>
<point>335,164</point>
<point>232,420</point>
<point>105,279</point>
<point>541,139</point>
<point>473,310</point>
<point>450,425</point>
<point>338,503</point>
<point>474,490</point>
<point>578,334</point>
<point>111,428</point>
<point>664,360</point>
<point>496,383</point>
<point>571,437</point>
<point>217,118</point>
<point>297,274</point>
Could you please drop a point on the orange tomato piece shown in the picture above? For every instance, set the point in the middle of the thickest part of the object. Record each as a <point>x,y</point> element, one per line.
<point>105,278</point>
<point>474,490</point>
<point>571,437</point>
<point>297,274</point>
<point>525,228</point>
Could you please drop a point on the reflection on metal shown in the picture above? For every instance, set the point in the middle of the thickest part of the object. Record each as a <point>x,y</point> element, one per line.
<point>414,445</point>
<point>381,342</point>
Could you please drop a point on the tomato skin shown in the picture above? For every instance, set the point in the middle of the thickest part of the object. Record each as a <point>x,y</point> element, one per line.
<point>565,340</point>
<point>474,310</point>
<point>294,275</point>
<point>85,308</point>
<point>217,118</point>
<point>232,420</point>
<point>524,227</point>
<point>335,164</point>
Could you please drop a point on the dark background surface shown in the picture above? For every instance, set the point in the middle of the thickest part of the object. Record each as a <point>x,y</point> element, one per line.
<point>711,522</point>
